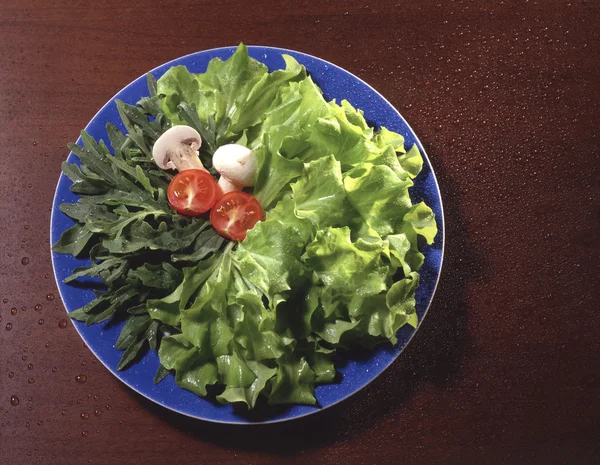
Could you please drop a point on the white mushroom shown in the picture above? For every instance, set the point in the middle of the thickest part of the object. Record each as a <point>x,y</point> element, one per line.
<point>237,166</point>
<point>177,149</point>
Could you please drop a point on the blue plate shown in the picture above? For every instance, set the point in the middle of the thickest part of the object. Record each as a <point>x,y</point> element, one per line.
<point>336,83</point>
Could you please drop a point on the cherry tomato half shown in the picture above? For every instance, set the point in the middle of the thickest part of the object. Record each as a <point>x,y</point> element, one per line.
<point>192,192</point>
<point>234,214</point>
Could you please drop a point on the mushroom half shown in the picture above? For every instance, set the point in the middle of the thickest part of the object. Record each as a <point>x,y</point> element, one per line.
<point>178,149</point>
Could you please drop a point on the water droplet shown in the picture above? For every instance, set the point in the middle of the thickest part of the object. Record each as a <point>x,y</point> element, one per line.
<point>26,226</point>
<point>47,275</point>
<point>30,380</point>
<point>97,412</point>
<point>35,143</point>
<point>64,412</point>
<point>40,423</point>
<point>27,424</point>
<point>9,326</point>
<point>24,261</point>
<point>81,378</point>
<point>24,357</point>
<point>108,407</point>
<point>37,308</point>
<point>25,349</point>
<point>30,366</point>
<point>47,345</point>
<point>50,297</point>
<point>14,401</point>
<point>23,308</point>
<point>11,374</point>
<point>84,415</point>
<point>62,324</point>
<point>41,321</point>
<point>96,398</point>
<point>84,434</point>
<point>83,363</point>
<point>5,300</point>
<point>79,401</point>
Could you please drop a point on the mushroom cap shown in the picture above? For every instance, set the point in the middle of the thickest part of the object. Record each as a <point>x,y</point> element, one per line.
<point>236,163</point>
<point>170,140</point>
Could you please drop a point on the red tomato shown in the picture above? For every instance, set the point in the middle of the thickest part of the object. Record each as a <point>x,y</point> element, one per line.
<point>192,192</point>
<point>234,214</point>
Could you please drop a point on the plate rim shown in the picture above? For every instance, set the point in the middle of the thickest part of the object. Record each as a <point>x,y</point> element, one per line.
<point>385,367</point>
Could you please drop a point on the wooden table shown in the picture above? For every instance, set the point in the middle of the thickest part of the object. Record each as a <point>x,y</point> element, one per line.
<point>505,98</point>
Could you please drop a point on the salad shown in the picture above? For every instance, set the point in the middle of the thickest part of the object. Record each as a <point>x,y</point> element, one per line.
<point>326,257</point>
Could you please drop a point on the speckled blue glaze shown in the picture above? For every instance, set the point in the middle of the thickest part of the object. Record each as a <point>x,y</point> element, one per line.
<point>336,83</point>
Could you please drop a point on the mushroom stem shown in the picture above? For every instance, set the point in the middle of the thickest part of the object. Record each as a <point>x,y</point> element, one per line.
<point>227,186</point>
<point>185,157</point>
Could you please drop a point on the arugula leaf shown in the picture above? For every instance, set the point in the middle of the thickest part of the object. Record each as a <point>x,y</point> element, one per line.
<point>161,374</point>
<point>73,240</point>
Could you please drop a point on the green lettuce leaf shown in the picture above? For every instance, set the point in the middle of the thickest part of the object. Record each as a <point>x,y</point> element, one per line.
<point>379,195</point>
<point>345,273</point>
<point>235,93</point>
<point>319,195</point>
<point>294,382</point>
<point>422,219</point>
<point>205,324</point>
<point>249,394</point>
<point>269,257</point>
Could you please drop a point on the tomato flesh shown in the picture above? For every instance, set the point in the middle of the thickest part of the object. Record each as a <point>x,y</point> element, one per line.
<point>192,192</point>
<point>235,213</point>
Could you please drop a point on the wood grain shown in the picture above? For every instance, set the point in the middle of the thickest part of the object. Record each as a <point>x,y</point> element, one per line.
<point>504,97</point>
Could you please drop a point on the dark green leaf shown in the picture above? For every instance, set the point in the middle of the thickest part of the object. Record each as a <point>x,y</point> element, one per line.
<point>161,374</point>
<point>162,276</point>
<point>94,269</point>
<point>208,242</point>
<point>87,184</point>
<point>73,240</point>
<point>116,137</point>
<point>134,328</point>
<point>151,82</point>
<point>80,211</point>
<point>130,354</point>
<point>152,334</point>
<point>78,315</point>
<point>138,310</point>
<point>179,238</point>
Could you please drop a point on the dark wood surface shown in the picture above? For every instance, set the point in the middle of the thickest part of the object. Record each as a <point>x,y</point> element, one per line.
<point>505,98</point>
